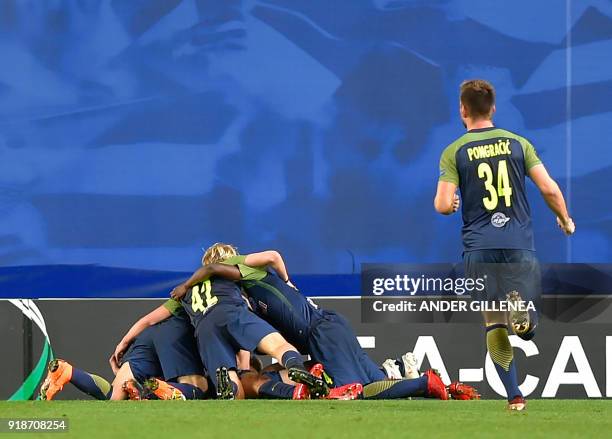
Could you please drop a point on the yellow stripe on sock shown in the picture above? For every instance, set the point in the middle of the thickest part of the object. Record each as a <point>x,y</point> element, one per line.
<point>102,384</point>
<point>378,387</point>
<point>500,348</point>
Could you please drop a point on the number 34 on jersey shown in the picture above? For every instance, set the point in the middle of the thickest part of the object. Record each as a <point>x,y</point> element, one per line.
<point>503,190</point>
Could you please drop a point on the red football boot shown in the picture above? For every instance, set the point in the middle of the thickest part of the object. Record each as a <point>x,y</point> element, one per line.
<point>346,393</point>
<point>517,404</point>
<point>319,371</point>
<point>435,386</point>
<point>301,391</point>
<point>459,390</point>
<point>316,380</point>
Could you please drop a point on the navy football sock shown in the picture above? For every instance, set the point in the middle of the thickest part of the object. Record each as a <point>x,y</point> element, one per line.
<point>275,389</point>
<point>91,384</point>
<point>508,378</point>
<point>293,359</point>
<point>395,389</point>
<point>501,353</point>
<point>189,390</point>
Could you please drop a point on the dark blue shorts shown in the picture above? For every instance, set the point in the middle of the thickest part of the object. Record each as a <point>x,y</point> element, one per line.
<point>176,348</point>
<point>505,270</point>
<point>223,331</point>
<point>333,343</point>
<point>167,350</point>
<point>142,357</point>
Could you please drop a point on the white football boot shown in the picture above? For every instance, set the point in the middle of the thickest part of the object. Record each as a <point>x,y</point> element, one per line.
<point>392,369</point>
<point>411,369</point>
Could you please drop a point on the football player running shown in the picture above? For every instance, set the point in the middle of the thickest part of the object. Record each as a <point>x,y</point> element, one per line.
<point>489,165</point>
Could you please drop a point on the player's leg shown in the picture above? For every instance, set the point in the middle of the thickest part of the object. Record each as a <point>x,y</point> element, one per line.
<point>367,366</point>
<point>277,347</point>
<point>217,351</point>
<point>491,265</point>
<point>124,375</point>
<point>61,372</point>
<point>429,385</point>
<point>172,390</point>
<point>521,281</point>
<point>193,386</point>
<point>182,368</point>
<point>269,385</point>
<point>139,363</point>
<point>250,332</point>
<point>502,353</point>
<point>333,343</point>
<point>91,384</point>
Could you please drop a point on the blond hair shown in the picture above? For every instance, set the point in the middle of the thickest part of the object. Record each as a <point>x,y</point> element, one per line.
<point>218,252</point>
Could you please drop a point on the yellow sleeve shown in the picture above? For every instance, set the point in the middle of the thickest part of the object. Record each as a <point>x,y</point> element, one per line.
<point>448,166</point>
<point>531,156</point>
<point>173,306</point>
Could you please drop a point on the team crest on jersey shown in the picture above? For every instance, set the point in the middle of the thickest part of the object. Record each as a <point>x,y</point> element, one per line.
<point>262,307</point>
<point>499,219</point>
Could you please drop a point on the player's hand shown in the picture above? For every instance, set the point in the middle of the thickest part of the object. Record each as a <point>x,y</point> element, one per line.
<point>114,364</point>
<point>115,359</point>
<point>456,203</point>
<point>291,284</point>
<point>567,226</point>
<point>179,292</point>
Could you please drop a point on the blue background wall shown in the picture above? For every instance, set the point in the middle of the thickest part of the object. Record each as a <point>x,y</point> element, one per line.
<point>132,133</point>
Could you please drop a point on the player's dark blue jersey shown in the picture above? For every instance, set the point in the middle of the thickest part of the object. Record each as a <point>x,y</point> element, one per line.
<point>292,314</point>
<point>201,297</point>
<point>283,307</point>
<point>489,166</point>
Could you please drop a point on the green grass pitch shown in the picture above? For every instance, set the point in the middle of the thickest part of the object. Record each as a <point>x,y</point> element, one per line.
<point>319,419</point>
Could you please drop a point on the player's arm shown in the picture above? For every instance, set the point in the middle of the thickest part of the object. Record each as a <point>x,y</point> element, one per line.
<point>271,258</point>
<point>243,359</point>
<point>446,201</point>
<point>157,315</point>
<point>553,196</point>
<point>206,272</point>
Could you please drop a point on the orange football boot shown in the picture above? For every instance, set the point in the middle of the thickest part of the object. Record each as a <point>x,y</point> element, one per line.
<point>133,390</point>
<point>60,372</point>
<point>163,390</point>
